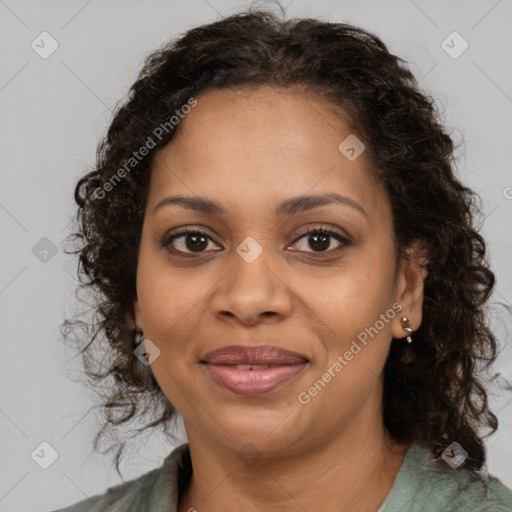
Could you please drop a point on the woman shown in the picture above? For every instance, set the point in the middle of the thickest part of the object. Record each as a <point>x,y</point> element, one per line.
<point>286,257</point>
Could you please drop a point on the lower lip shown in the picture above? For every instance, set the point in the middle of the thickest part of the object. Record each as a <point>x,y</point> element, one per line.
<point>253,382</point>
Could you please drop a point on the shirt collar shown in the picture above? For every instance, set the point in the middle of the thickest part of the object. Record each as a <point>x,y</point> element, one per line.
<point>176,469</point>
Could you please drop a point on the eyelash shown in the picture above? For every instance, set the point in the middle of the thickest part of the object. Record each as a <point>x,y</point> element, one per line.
<point>167,241</point>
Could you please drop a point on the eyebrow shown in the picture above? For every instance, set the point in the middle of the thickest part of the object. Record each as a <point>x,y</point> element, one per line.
<point>287,207</point>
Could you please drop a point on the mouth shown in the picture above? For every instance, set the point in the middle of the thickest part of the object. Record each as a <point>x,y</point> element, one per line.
<point>253,371</point>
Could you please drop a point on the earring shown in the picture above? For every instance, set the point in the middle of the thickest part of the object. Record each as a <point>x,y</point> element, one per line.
<point>139,337</point>
<point>406,324</point>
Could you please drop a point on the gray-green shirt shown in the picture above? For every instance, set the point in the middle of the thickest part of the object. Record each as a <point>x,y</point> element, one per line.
<point>422,484</point>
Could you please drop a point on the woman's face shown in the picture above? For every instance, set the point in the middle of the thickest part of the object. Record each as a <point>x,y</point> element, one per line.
<point>256,277</point>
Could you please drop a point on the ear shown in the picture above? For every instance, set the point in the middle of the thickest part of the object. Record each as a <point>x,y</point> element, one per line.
<point>409,281</point>
<point>137,315</point>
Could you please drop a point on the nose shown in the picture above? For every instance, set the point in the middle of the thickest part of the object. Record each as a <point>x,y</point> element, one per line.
<point>252,292</point>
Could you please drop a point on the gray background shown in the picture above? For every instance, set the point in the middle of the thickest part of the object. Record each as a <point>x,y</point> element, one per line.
<point>53,113</point>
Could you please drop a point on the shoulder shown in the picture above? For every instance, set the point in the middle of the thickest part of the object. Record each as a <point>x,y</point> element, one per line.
<point>155,490</point>
<point>429,485</point>
<point>117,498</point>
<point>463,490</point>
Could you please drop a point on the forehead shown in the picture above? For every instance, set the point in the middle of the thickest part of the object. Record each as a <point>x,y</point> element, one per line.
<point>240,146</point>
<point>262,118</point>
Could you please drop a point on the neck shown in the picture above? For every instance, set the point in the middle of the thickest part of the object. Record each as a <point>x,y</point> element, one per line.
<point>353,471</point>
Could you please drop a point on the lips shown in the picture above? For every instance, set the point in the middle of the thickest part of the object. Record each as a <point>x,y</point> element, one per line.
<point>253,370</point>
<point>261,355</point>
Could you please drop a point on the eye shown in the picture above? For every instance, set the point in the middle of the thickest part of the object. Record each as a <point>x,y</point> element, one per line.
<point>195,241</point>
<point>320,239</point>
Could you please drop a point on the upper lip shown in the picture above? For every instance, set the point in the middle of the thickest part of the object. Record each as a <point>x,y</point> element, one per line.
<point>262,354</point>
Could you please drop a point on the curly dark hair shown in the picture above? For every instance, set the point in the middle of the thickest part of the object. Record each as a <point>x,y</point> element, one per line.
<point>433,389</point>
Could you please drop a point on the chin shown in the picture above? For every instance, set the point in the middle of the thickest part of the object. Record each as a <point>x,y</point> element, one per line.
<point>269,431</point>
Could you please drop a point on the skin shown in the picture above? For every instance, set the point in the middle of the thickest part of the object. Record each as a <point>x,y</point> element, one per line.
<point>249,150</point>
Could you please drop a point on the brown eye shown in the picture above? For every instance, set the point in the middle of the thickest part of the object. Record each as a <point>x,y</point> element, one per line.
<point>187,242</point>
<point>320,240</point>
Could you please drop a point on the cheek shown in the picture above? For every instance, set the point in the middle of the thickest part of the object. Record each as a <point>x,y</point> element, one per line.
<point>354,296</point>
<point>351,304</point>
<point>168,297</point>
<point>169,307</point>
